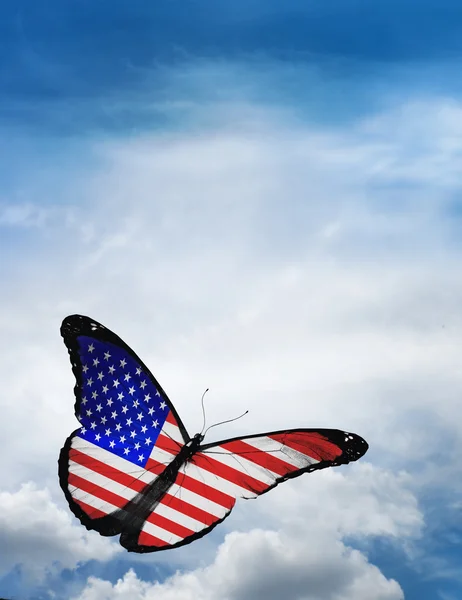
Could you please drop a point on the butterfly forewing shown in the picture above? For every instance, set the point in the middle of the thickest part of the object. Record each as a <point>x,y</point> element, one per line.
<point>129,429</point>
<point>257,463</point>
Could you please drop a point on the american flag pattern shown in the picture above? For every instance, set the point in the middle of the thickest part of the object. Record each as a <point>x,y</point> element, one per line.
<point>123,473</point>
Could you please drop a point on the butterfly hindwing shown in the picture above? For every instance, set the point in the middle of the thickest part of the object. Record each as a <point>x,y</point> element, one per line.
<point>129,428</point>
<point>208,485</point>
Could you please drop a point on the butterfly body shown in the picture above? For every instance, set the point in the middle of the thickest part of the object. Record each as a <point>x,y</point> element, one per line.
<point>132,469</point>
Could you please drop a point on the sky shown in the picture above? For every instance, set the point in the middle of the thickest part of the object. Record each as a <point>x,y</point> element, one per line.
<point>263,199</point>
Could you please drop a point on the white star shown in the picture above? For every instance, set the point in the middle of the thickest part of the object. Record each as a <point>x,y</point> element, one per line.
<point>150,411</point>
<point>107,356</point>
<point>133,433</point>
<point>83,430</point>
<point>111,369</point>
<point>112,443</point>
<point>143,385</point>
<point>91,348</point>
<point>141,457</point>
<point>129,422</point>
<point>138,371</point>
<point>157,393</point>
<point>122,439</point>
<point>89,413</point>
<point>90,382</point>
<point>100,375</point>
<point>162,404</point>
<point>143,429</point>
<point>114,415</point>
<point>94,395</point>
<point>123,362</point>
<point>107,432</point>
<point>118,426</point>
<point>148,441</point>
<point>116,383</point>
<point>105,389</point>
<point>155,423</point>
<point>97,437</point>
<point>131,391</point>
<point>124,409</point>
<point>109,402</point>
<point>147,397</point>
<point>120,396</point>
<point>136,404</point>
<point>126,450</point>
<point>140,416</point>
<point>103,420</point>
<point>137,446</point>
<point>127,377</point>
<point>93,425</point>
<point>99,408</point>
<point>84,368</point>
<point>84,400</point>
<point>95,362</point>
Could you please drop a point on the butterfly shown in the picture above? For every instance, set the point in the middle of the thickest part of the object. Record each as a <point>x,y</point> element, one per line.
<point>131,469</point>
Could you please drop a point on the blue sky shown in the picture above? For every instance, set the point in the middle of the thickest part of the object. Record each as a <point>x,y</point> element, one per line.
<point>262,198</point>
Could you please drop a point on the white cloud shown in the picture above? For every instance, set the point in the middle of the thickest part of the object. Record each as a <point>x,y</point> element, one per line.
<point>38,535</point>
<point>302,556</point>
<point>287,269</point>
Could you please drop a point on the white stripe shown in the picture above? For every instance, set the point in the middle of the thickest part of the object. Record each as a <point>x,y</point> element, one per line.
<point>281,451</point>
<point>161,456</point>
<point>91,500</point>
<point>160,533</point>
<point>206,505</point>
<point>111,459</point>
<point>243,465</point>
<point>178,517</point>
<point>232,489</point>
<point>173,432</point>
<point>108,484</point>
<point>128,493</point>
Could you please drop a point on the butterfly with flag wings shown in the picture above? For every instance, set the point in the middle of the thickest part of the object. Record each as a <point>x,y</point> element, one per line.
<point>131,469</point>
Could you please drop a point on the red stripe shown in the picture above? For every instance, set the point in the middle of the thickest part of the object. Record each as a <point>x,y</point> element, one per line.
<point>171,419</point>
<point>155,467</point>
<point>106,470</point>
<point>188,509</point>
<point>96,490</point>
<point>260,457</point>
<point>311,444</point>
<point>204,490</point>
<point>169,525</point>
<point>116,500</point>
<point>165,443</point>
<point>91,511</point>
<point>204,461</point>
<point>173,502</point>
<point>146,539</point>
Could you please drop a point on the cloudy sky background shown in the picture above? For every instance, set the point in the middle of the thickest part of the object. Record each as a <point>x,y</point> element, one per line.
<point>264,199</point>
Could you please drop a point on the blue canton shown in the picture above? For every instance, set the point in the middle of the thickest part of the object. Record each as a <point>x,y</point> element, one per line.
<point>121,410</point>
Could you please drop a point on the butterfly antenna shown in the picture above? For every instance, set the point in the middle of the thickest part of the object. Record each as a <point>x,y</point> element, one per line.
<point>228,421</point>
<point>203,409</point>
